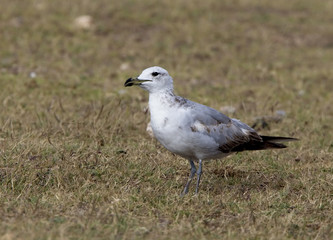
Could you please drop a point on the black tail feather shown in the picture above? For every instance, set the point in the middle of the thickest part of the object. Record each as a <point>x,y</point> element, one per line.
<point>269,145</point>
<point>268,142</point>
<point>277,139</point>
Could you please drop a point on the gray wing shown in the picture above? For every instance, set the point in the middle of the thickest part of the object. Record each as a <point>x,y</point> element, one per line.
<point>228,133</point>
<point>208,115</point>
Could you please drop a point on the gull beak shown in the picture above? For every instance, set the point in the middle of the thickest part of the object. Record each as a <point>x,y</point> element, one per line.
<point>134,81</point>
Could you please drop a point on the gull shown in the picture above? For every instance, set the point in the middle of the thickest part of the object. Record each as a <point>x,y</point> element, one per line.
<point>192,130</point>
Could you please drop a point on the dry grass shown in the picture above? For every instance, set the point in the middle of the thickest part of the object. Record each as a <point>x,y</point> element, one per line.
<point>76,161</point>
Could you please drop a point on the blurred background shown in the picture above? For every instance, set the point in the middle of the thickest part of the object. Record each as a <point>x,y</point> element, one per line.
<point>75,157</point>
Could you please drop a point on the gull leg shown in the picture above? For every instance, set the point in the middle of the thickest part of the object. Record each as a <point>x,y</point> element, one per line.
<point>199,172</point>
<point>193,171</point>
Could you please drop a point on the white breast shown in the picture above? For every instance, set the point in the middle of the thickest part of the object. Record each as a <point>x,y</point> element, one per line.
<point>172,128</point>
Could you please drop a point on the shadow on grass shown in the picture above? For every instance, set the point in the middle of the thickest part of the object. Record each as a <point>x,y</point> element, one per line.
<point>244,181</point>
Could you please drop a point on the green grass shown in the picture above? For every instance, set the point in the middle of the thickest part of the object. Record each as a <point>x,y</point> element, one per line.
<point>76,161</point>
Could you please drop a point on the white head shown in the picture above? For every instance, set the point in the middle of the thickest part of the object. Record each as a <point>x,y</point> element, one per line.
<point>153,79</point>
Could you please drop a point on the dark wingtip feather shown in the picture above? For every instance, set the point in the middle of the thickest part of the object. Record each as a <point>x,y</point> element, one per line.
<point>275,142</point>
<point>277,139</point>
<point>269,145</point>
<point>262,143</point>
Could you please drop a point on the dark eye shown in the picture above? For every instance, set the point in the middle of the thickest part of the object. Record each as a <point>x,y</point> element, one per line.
<point>155,74</point>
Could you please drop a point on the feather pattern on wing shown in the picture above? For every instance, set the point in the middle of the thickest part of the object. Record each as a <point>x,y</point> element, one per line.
<point>228,133</point>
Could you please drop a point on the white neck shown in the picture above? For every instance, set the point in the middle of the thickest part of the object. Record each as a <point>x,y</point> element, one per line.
<point>161,98</point>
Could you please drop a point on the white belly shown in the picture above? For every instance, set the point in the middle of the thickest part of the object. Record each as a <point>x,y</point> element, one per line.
<point>175,135</point>
<point>171,125</point>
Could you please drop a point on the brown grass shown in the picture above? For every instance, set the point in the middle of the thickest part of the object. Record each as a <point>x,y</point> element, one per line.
<point>76,161</point>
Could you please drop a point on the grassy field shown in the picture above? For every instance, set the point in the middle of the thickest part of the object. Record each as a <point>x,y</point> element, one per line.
<point>76,161</point>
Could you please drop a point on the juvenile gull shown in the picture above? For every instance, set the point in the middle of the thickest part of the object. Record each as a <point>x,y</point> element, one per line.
<point>192,130</point>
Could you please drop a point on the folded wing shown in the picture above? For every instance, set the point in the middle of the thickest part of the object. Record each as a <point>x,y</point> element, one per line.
<point>231,135</point>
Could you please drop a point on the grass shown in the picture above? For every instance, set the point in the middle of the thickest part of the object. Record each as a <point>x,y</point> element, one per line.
<point>76,161</point>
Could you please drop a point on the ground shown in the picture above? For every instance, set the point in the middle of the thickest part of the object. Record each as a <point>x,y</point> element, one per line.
<point>76,161</point>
